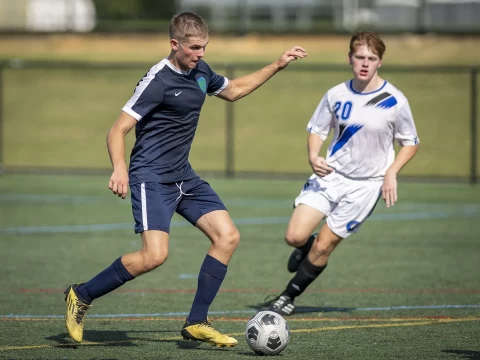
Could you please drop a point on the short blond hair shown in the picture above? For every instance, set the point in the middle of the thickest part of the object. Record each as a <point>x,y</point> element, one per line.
<point>186,25</point>
<point>371,39</point>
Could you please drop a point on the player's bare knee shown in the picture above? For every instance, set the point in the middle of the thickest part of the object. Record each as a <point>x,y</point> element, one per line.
<point>233,239</point>
<point>153,259</point>
<point>295,239</point>
<point>228,240</point>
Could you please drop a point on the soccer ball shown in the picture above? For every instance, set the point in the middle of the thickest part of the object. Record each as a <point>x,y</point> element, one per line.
<point>267,333</point>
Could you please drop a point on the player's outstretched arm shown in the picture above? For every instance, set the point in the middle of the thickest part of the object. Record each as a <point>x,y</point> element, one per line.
<point>116,149</point>
<point>389,188</point>
<point>244,85</point>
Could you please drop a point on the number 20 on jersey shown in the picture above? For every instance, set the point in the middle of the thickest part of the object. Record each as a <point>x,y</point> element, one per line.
<point>343,111</point>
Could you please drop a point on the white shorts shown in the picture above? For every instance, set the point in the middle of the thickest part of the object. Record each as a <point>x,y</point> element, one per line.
<point>346,203</point>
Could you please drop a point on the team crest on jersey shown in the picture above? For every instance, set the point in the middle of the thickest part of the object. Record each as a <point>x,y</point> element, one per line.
<point>202,83</point>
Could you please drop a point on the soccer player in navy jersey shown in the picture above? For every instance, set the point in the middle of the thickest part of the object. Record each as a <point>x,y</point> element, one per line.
<point>165,110</point>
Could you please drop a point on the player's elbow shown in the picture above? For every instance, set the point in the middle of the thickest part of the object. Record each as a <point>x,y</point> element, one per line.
<point>238,96</point>
<point>234,96</point>
<point>235,93</point>
<point>117,130</point>
<point>112,134</point>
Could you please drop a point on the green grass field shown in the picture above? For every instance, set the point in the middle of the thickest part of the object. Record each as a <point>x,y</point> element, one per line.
<point>405,287</point>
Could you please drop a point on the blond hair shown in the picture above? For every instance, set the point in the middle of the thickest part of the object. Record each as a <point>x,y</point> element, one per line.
<point>187,24</point>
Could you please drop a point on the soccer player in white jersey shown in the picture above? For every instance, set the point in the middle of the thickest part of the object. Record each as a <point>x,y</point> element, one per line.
<point>367,114</point>
<point>165,110</point>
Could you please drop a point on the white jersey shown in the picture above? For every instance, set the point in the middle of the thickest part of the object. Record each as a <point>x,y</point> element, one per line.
<point>365,126</point>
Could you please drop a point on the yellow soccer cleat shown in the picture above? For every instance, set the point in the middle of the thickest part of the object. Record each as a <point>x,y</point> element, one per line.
<point>75,315</point>
<point>205,332</point>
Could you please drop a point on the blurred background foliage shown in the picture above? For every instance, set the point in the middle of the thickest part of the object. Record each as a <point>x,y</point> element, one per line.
<point>135,9</point>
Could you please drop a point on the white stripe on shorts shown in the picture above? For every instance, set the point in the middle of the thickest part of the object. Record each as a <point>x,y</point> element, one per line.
<point>144,208</point>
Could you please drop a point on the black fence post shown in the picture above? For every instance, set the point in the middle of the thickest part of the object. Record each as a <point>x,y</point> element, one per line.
<point>70,10</point>
<point>473,125</point>
<point>421,11</point>
<point>230,132</point>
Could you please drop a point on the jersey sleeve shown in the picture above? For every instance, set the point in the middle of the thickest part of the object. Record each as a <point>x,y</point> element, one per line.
<point>405,131</point>
<point>321,121</point>
<point>148,94</point>
<point>217,82</point>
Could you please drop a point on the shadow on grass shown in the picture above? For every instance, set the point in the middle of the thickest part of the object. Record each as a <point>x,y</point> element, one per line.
<point>251,353</point>
<point>122,339</point>
<point>464,354</point>
<point>306,309</point>
<point>195,345</point>
<point>104,338</point>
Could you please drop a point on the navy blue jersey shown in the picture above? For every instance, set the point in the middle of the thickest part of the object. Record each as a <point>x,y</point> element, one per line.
<point>167,103</point>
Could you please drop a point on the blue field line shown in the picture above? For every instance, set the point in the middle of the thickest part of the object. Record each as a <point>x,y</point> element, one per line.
<point>188,276</point>
<point>236,312</point>
<point>468,211</point>
<point>244,221</point>
<point>79,199</point>
<point>52,199</point>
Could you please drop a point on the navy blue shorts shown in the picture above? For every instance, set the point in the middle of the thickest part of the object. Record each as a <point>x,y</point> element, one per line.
<point>153,204</point>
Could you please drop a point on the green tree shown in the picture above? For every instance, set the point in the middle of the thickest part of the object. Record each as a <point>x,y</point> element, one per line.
<point>134,9</point>
<point>158,9</point>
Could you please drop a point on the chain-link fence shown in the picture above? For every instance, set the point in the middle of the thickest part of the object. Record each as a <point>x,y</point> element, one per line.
<point>55,116</point>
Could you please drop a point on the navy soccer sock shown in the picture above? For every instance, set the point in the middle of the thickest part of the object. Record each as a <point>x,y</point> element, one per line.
<point>306,273</point>
<point>108,280</point>
<point>210,278</point>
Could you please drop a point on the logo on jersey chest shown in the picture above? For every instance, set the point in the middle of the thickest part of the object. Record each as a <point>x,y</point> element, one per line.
<point>202,83</point>
<point>383,101</point>
<point>347,129</point>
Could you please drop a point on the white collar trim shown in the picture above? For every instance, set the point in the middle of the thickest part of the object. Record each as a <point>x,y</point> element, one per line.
<point>174,68</point>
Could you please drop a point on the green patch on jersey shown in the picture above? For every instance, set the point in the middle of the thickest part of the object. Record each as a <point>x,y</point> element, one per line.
<point>202,83</point>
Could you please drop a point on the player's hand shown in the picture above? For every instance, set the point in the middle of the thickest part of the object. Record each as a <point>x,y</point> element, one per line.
<point>119,182</point>
<point>291,55</point>
<point>389,189</point>
<point>320,167</point>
